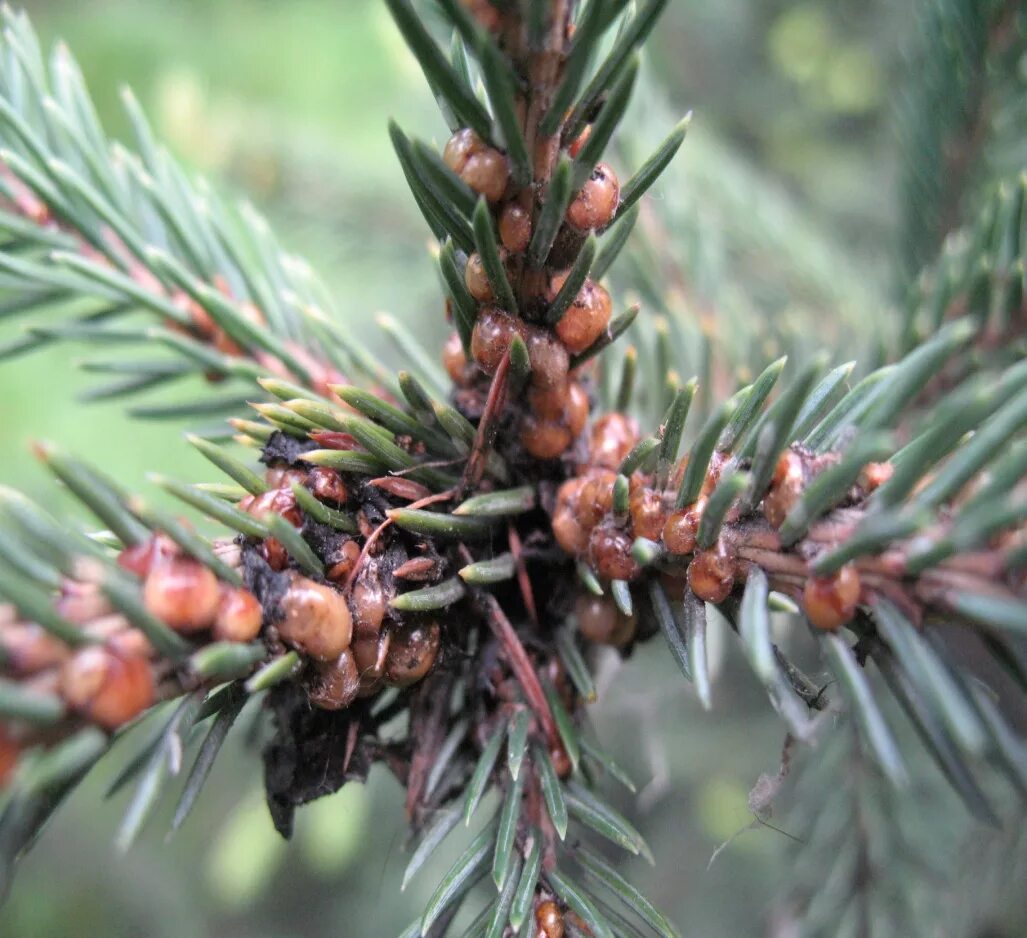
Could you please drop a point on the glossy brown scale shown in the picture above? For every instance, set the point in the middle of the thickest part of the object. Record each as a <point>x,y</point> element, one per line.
<point>482,167</point>
<point>82,602</point>
<point>369,600</point>
<point>786,488</point>
<point>477,280</point>
<point>315,619</point>
<point>565,406</point>
<point>369,654</point>
<point>587,316</point>
<point>576,409</point>
<point>600,621</point>
<point>327,485</point>
<point>454,360</point>
<point>139,558</point>
<point>609,552</point>
<point>544,439</point>
<point>183,594</point>
<point>334,685</point>
<point>494,330</point>
<point>278,477</point>
<point>239,616</point>
<point>106,688</point>
<point>596,202</point>
<point>595,499</point>
<point>612,437</point>
<point>548,357</point>
<point>342,567</point>
<point>711,574</point>
<point>278,501</point>
<point>648,514</point>
<point>568,529</point>
<point>830,602</point>
<point>412,652</point>
<point>682,528</point>
<point>514,228</point>
<point>28,648</point>
<point>549,919</point>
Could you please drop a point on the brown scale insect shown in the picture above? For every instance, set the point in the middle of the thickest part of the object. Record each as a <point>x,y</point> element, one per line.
<point>28,648</point>
<point>369,600</point>
<point>348,554</point>
<point>648,514</point>
<point>548,356</point>
<point>107,688</point>
<point>682,528</point>
<point>183,594</point>
<point>454,360</point>
<point>613,436</point>
<point>514,228</point>
<point>785,488</point>
<point>711,574</point>
<point>609,552</point>
<point>239,616</point>
<point>494,330</point>
<point>586,317</point>
<point>477,280</point>
<point>596,202</point>
<point>412,652</point>
<point>482,167</point>
<point>600,621</point>
<point>830,602</point>
<point>549,920</point>
<point>316,620</point>
<point>335,684</point>
<point>327,485</point>
<point>544,439</point>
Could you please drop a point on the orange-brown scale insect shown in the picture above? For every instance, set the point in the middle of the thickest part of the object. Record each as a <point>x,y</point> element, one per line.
<point>830,602</point>
<point>107,688</point>
<point>600,621</point>
<point>183,594</point>
<point>596,203</point>
<point>454,360</point>
<point>549,919</point>
<point>335,684</point>
<point>609,552</point>
<point>612,438</point>
<point>327,485</point>
<point>648,513</point>
<point>548,357</point>
<point>316,620</point>
<point>494,330</point>
<point>544,439</point>
<point>514,228</point>
<point>482,167</point>
<point>239,616</point>
<point>586,317</point>
<point>711,574</point>
<point>477,280</point>
<point>412,652</point>
<point>682,528</point>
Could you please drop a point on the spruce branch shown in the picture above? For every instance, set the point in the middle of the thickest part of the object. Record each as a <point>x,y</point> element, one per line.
<point>448,544</point>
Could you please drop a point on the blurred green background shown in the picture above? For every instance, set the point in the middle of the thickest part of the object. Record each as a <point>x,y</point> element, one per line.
<point>286,103</point>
